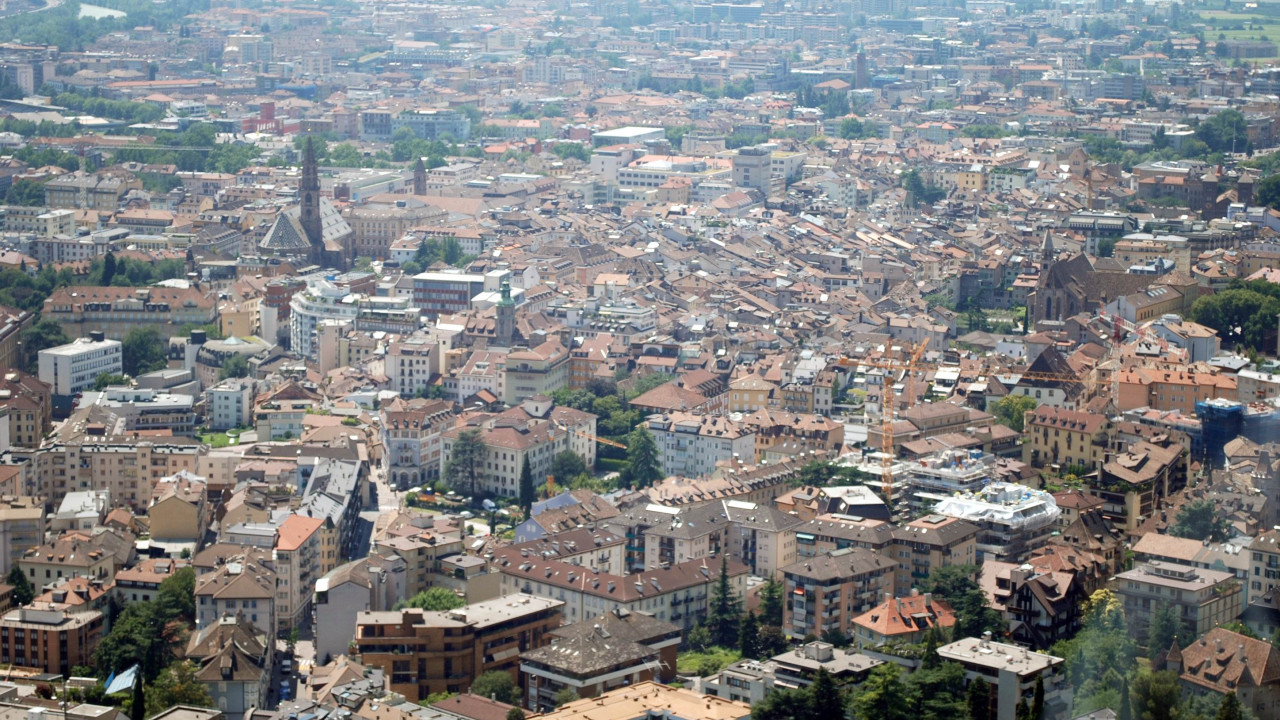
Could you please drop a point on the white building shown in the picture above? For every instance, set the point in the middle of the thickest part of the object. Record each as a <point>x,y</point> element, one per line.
<point>411,364</point>
<point>321,300</point>
<point>1014,519</point>
<point>1012,671</point>
<point>690,444</point>
<point>74,367</point>
<point>231,404</point>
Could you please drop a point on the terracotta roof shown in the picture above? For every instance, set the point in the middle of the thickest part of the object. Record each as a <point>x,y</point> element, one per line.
<point>295,530</point>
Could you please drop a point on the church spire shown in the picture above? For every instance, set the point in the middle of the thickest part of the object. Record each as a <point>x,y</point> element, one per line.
<point>419,178</point>
<point>309,193</point>
<point>505,316</point>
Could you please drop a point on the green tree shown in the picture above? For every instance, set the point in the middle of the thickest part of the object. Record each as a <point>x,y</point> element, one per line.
<point>177,685</point>
<point>978,701</point>
<point>497,685</point>
<point>44,334</point>
<point>106,380</point>
<point>825,699</point>
<point>566,465</point>
<point>22,590</point>
<point>1200,520</point>
<point>515,713</point>
<point>1162,629</point>
<point>144,350</point>
<point>1126,706</point>
<point>883,696</point>
<point>235,366</point>
<point>564,696</point>
<point>451,250</point>
<point>434,599</point>
<point>1230,709</point>
<point>176,598</point>
<point>463,468</point>
<point>725,609</point>
<point>526,487</point>
<point>108,268</point>
<point>27,193</point>
<point>700,638</point>
<point>644,467</point>
<point>1228,131</point>
<point>783,705</point>
<point>1240,315</point>
<point>138,703</point>
<point>770,594</point>
<point>938,692</point>
<point>1101,655</point>
<point>749,637</point>
<point>1155,694</point>
<point>1011,410</point>
<point>1037,699</point>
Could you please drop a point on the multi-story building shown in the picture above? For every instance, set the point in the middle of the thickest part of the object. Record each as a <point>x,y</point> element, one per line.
<point>128,467</point>
<point>143,409</point>
<point>50,637</point>
<point>440,293</point>
<point>72,368</point>
<point>116,310</point>
<point>411,364</point>
<point>759,536</point>
<point>423,652</point>
<point>825,593</point>
<point>411,434</point>
<point>1013,520</point>
<point>536,430</point>
<point>1228,663</point>
<point>1012,672</point>
<point>230,403</point>
<point>372,584</point>
<point>320,300</point>
<point>927,544</point>
<point>1133,483</point>
<point>901,619</point>
<point>234,664</point>
<point>69,556</point>
<point>12,323</point>
<point>22,522</point>
<point>600,654</point>
<point>1065,438</point>
<point>534,371</point>
<point>789,434</point>
<point>39,221</point>
<point>691,444</point>
<point>678,594</point>
<point>300,560</point>
<point>1201,599</point>
<point>243,586</point>
<point>88,191</point>
<point>179,512</point>
<point>29,406</point>
<point>433,124</point>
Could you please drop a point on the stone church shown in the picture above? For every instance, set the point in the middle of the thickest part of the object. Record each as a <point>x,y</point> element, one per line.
<point>313,232</point>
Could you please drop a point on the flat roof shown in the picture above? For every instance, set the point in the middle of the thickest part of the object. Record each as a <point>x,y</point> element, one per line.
<point>998,656</point>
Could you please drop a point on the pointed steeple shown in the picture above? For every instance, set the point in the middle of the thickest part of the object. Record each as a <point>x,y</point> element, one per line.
<point>309,194</point>
<point>419,178</point>
<point>1046,247</point>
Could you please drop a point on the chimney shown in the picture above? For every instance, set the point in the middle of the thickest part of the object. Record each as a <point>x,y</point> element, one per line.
<point>1240,652</point>
<point>928,600</point>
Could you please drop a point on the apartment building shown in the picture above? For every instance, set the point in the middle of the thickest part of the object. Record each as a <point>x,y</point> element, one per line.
<point>1170,389</point>
<point>825,593</point>
<point>22,525</point>
<point>1065,438</point>
<point>789,434</point>
<point>179,512</point>
<point>28,403</point>
<point>1202,599</point>
<point>1013,520</point>
<point>539,370</point>
<point>760,537</point>
<point>230,403</point>
<point>72,368</point>
<point>691,444</point>
<point>300,560</point>
<point>928,543</point>
<point>901,619</point>
<point>1012,671</point>
<point>592,657</point>
<point>411,364</point>
<point>116,310</point>
<point>128,467</point>
<point>1223,662</point>
<point>534,429</point>
<point>412,433</point>
<point>88,191</point>
<point>49,637</point>
<point>375,583</point>
<point>243,585</point>
<point>678,594</point>
<point>423,652</point>
<point>1133,483</point>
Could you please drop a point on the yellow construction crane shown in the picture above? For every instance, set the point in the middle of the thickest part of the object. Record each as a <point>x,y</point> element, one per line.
<point>589,436</point>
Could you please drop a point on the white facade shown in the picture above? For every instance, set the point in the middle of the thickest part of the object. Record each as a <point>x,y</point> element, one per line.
<point>74,367</point>
<point>691,444</point>
<point>321,300</point>
<point>231,404</point>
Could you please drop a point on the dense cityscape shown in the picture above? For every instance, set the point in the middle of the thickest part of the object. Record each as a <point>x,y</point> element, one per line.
<point>644,360</point>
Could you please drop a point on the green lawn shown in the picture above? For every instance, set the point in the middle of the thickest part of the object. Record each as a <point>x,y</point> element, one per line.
<point>217,440</point>
<point>705,663</point>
